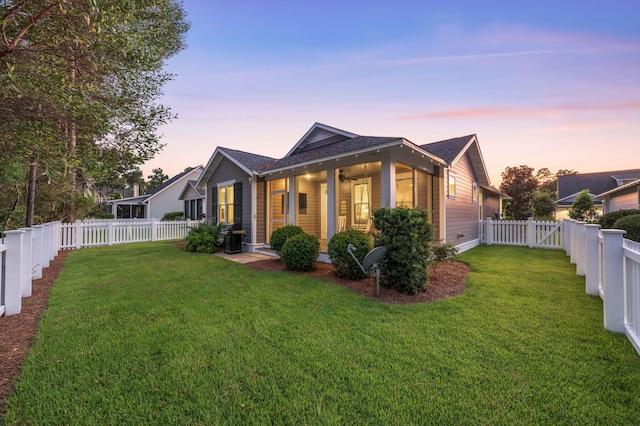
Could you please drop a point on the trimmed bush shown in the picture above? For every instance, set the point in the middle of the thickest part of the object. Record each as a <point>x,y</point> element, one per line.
<point>607,220</point>
<point>443,251</point>
<point>172,216</point>
<point>631,224</point>
<point>281,235</point>
<point>407,234</point>
<point>343,262</point>
<point>300,252</point>
<point>204,238</point>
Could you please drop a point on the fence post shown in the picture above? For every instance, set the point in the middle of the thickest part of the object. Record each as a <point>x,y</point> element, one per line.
<point>154,230</point>
<point>592,259</point>
<point>27,261</point>
<point>488,231</point>
<point>37,251</point>
<point>613,285</point>
<point>13,272</point>
<point>580,248</point>
<point>77,234</point>
<point>110,233</point>
<point>566,230</point>
<point>531,232</point>
<point>46,245</point>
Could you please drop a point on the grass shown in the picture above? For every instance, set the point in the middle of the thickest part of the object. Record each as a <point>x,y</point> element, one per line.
<point>149,334</point>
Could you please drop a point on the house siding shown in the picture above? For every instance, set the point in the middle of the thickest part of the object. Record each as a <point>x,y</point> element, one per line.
<point>625,199</point>
<point>261,224</point>
<point>308,218</point>
<point>225,172</point>
<point>490,205</point>
<point>462,213</point>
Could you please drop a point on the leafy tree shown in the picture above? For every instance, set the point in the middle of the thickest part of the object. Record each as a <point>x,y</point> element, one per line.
<point>544,205</point>
<point>157,178</point>
<point>583,207</point>
<point>549,182</point>
<point>520,184</point>
<point>79,87</point>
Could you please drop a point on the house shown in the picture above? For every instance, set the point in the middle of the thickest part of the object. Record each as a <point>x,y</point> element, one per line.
<point>332,180</point>
<point>570,186</point>
<point>623,197</point>
<point>193,201</point>
<point>164,198</point>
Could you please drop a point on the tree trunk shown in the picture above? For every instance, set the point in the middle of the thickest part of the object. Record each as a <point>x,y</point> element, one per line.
<point>31,192</point>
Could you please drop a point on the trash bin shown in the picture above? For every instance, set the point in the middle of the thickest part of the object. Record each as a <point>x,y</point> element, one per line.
<point>233,239</point>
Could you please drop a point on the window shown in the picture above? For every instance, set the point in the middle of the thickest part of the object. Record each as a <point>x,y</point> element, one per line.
<point>452,185</point>
<point>225,204</point>
<point>404,190</point>
<point>474,192</point>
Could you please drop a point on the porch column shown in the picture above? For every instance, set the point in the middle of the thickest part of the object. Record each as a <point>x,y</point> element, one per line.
<point>253,181</point>
<point>293,206</point>
<point>332,195</point>
<point>388,187</point>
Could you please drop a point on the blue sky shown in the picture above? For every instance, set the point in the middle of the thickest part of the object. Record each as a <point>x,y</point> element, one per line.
<point>546,84</point>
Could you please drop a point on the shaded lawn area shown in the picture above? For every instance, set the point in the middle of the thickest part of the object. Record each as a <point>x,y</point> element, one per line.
<point>147,333</point>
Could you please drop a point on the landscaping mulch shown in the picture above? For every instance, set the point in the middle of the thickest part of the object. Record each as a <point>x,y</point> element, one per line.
<point>446,279</point>
<point>17,331</point>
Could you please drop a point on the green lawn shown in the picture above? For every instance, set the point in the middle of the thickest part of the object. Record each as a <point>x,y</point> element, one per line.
<point>150,334</point>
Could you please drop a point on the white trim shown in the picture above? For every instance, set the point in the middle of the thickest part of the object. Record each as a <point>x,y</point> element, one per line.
<point>468,245</point>
<point>225,183</point>
<point>323,127</point>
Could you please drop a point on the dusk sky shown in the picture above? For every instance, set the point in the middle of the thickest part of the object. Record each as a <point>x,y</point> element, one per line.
<point>551,84</point>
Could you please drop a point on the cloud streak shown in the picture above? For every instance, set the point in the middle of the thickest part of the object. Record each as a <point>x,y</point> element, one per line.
<point>546,112</point>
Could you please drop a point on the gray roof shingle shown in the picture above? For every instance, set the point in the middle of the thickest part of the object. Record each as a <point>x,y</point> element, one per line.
<point>253,162</point>
<point>596,183</point>
<point>448,149</point>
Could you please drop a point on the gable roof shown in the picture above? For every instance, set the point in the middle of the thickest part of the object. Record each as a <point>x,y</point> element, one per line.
<point>453,149</point>
<point>319,135</point>
<point>191,184</point>
<point>620,188</point>
<point>248,162</point>
<point>596,183</point>
<point>163,186</point>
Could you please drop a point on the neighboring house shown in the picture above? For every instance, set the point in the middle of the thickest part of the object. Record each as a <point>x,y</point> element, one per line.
<point>193,200</point>
<point>332,180</point>
<point>164,198</point>
<point>570,186</point>
<point>624,197</point>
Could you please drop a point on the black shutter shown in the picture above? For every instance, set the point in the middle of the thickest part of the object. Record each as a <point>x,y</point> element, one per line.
<point>237,202</point>
<point>214,205</point>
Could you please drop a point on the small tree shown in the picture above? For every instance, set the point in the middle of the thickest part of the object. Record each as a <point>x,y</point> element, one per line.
<point>543,205</point>
<point>583,207</point>
<point>406,233</point>
<point>520,184</point>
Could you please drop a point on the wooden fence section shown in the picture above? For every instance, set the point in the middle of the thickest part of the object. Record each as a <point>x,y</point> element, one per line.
<point>26,251</point>
<point>529,233</point>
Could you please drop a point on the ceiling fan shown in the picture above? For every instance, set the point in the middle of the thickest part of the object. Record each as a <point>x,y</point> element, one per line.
<point>343,177</point>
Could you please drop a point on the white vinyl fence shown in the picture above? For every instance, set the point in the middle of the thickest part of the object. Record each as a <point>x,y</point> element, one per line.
<point>26,251</point>
<point>528,233</point>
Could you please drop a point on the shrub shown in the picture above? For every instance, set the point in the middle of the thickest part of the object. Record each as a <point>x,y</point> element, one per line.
<point>300,252</point>
<point>583,207</point>
<point>204,238</point>
<point>281,235</point>
<point>101,215</point>
<point>607,220</point>
<point>172,216</point>
<point>406,233</point>
<point>443,251</point>
<point>343,262</point>
<point>631,224</point>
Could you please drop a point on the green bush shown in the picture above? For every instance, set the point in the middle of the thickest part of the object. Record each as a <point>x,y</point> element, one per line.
<point>281,235</point>
<point>343,262</point>
<point>173,216</point>
<point>443,251</point>
<point>300,252</point>
<point>101,215</point>
<point>631,224</point>
<point>204,238</point>
<point>407,234</point>
<point>607,220</point>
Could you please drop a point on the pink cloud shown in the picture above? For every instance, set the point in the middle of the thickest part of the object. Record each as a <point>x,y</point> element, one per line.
<point>548,112</point>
